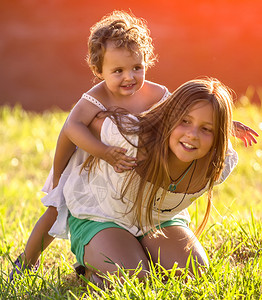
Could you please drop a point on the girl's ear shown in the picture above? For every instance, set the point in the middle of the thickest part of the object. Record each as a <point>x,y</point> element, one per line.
<point>96,73</point>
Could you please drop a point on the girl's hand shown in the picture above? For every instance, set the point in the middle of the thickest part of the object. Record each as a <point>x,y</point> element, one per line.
<point>244,133</point>
<point>116,157</point>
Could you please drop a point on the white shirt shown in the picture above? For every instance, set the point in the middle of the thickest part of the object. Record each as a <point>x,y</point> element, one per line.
<point>98,198</point>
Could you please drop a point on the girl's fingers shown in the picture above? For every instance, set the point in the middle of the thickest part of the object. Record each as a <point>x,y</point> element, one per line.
<point>124,166</point>
<point>251,131</point>
<point>124,157</point>
<point>120,150</point>
<point>251,138</point>
<point>117,170</point>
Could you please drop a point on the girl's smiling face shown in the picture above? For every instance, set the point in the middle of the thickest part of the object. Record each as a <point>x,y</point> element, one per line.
<point>122,70</point>
<point>193,137</point>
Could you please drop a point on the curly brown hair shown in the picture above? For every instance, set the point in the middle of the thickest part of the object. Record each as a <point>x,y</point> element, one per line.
<point>124,30</point>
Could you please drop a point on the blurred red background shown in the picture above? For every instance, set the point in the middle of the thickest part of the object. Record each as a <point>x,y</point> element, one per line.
<point>43,46</point>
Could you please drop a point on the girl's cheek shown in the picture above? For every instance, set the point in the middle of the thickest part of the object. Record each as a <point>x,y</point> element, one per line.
<point>211,141</point>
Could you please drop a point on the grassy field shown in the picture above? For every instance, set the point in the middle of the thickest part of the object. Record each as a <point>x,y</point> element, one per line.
<point>232,239</point>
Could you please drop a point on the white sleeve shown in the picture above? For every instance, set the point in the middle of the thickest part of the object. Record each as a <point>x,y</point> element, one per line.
<point>110,135</point>
<point>230,163</point>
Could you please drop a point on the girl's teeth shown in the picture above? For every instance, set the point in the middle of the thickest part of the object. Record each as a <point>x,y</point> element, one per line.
<point>188,146</point>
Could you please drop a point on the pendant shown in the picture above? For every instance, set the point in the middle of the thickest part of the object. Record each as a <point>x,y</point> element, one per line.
<point>172,187</point>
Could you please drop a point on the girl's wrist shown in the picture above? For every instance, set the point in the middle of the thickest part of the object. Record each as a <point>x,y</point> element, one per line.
<point>104,151</point>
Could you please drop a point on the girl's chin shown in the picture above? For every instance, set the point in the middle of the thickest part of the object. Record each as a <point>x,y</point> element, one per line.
<point>186,159</point>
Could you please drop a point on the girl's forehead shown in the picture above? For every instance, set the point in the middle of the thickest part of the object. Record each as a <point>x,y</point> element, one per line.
<point>201,105</point>
<point>110,44</point>
<point>131,47</point>
<point>119,44</point>
<point>202,110</point>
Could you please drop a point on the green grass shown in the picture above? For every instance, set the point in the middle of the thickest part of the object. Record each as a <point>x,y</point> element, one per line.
<point>232,239</point>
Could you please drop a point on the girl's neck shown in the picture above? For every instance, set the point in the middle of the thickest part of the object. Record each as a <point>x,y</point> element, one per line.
<point>131,103</point>
<point>148,95</point>
<point>176,166</point>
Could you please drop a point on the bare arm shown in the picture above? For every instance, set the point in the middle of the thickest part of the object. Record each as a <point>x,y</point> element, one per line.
<point>76,129</point>
<point>64,150</point>
<point>65,147</point>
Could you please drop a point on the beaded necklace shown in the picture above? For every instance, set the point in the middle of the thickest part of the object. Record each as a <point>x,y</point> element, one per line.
<point>172,187</point>
<point>186,171</point>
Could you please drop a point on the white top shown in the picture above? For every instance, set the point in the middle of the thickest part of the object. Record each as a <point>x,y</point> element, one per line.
<point>98,198</point>
<point>55,196</point>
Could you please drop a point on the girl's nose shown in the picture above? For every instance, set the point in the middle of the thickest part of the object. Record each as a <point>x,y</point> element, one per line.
<point>192,133</point>
<point>129,75</point>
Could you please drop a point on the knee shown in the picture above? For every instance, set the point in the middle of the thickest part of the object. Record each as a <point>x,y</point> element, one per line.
<point>142,269</point>
<point>199,259</point>
<point>139,267</point>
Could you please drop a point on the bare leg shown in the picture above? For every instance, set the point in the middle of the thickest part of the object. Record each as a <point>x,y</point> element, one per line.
<point>39,238</point>
<point>118,246</point>
<point>173,249</point>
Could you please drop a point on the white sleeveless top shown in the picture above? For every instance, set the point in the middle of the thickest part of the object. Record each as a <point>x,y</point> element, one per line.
<point>97,199</point>
<point>55,196</point>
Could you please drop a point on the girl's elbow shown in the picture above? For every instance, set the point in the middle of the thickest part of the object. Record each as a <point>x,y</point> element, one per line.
<point>68,128</point>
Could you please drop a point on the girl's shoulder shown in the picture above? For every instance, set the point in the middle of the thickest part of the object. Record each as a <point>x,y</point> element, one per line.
<point>153,87</point>
<point>155,92</point>
<point>94,95</point>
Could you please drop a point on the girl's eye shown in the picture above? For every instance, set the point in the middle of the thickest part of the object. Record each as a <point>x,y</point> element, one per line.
<point>137,68</point>
<point>207,129</point>
<point>118,71</point>
<point>185,121</point>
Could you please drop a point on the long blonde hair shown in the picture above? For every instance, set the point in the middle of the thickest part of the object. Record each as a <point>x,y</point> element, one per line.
<point>154,129</point>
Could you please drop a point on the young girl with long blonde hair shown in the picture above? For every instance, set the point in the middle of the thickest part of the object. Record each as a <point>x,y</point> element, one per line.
<point>182,148</point>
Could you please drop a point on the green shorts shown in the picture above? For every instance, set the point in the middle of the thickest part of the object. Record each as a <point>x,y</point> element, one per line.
<point>83,230</point>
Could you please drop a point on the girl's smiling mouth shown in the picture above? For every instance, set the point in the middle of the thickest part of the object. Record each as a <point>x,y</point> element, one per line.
<point>187,146</point>
<point>127,86</point>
